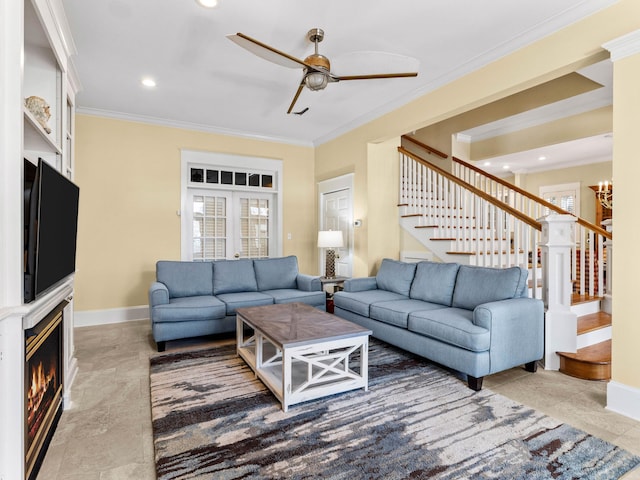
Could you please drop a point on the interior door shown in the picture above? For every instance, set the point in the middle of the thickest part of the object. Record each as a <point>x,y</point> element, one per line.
<point>208,215</point>
<point>253,225</point>
<point>336,208</point>
<point>227,225</point>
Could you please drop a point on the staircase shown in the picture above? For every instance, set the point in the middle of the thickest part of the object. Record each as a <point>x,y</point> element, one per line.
<point>592,359</point>
<point>474,218</point>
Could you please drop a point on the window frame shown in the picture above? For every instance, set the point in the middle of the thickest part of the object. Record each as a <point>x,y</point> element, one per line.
<point>235,163</point>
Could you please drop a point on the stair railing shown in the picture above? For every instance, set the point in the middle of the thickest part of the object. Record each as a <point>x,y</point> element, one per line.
<point>477,224</point>
<point>589,250</point>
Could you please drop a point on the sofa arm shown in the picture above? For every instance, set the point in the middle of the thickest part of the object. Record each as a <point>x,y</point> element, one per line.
<point>517,331</point>
<point>308,283</point>
<point>360,284</point>
<point>158,294</point>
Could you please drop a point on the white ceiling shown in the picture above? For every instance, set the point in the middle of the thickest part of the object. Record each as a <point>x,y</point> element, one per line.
<point>206,82</point>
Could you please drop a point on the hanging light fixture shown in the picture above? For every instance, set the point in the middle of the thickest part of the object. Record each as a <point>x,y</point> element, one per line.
<point>316,79</point>
<point>605,194</point>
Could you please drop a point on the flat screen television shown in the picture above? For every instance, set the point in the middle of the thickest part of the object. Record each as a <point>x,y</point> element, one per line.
<point>51,225</point>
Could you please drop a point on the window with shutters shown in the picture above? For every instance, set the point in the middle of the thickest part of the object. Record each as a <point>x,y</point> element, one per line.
<point>565,196</point>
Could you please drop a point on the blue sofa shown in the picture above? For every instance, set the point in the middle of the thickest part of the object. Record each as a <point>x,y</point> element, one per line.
<point>475,320</point>
<point>190,299</point>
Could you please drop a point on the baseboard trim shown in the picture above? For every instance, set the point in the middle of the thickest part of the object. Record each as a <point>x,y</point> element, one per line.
<point>90,318</point>
<point>623,399</point>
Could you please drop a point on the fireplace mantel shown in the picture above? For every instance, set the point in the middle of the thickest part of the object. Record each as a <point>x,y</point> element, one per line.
<point>14,320</point>
<point>35,311</point>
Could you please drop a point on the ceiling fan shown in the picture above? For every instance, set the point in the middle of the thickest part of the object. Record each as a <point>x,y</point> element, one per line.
<point>316,68</point>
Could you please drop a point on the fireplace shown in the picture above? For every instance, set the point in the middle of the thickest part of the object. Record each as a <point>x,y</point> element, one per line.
<point>43,386</point>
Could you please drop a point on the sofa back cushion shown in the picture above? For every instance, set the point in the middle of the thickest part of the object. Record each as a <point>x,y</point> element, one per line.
<point>395,276</point>
<point>276,273</point>
<point>185,279</point>
<point>232,276</point>
<point>434,282</point>
<point>477,285</point>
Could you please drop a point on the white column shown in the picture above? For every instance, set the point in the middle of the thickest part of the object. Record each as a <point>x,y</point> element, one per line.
<point>623,391</point>
<point>560,322</point>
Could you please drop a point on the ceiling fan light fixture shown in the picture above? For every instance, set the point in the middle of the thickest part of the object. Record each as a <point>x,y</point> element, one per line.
<point>316,80</point>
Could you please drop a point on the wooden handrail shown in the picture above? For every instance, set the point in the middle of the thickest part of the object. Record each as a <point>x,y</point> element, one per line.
<point>480,193</point>
<point>426,147</point>
<point>531,196</point>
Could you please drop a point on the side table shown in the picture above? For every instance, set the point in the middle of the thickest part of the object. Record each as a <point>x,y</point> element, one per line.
<point>337,283</point>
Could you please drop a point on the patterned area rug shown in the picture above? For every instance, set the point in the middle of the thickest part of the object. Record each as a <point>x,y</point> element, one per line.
<point>213,420</point>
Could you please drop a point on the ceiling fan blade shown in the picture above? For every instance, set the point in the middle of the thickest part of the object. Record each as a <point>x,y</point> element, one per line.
<point>263,50</point>
<point>295,98</point>
<point>339,78</point>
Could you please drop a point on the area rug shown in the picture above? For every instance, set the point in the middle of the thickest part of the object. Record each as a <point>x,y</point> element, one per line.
<point>212,419</point>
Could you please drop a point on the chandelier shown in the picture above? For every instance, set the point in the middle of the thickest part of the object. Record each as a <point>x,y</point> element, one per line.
<point>605,194</point>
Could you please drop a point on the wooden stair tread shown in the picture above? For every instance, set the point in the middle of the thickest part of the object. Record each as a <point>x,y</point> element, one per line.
<point>577,299</point>
<point>496,252</point>
<point>593,321</point>
<point>599,353</point>
<point>450,239</point>
<point>588,363</point>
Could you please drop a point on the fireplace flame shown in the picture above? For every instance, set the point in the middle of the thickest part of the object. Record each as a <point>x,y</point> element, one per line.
<point>40,393</point>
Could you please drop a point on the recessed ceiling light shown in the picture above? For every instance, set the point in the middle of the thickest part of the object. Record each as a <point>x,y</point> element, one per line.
<point>148,82</point>
<point>487,164</point>
<point>208,3</point>
<point>505,167</point>
<point>542,157</point>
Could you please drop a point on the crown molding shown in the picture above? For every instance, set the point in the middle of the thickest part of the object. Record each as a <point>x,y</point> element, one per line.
<point>624,46</point>
<point>95,112</point>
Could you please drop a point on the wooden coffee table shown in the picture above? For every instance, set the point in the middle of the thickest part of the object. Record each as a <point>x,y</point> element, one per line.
<point>301,353</point>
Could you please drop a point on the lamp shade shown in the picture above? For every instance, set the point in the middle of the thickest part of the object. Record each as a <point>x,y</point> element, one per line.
<point>330,239</point>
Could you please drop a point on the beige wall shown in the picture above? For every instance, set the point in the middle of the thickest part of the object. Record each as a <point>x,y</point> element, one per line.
<point>626,265</point>
<point>588,124</point>
<point>586,175</point>
<point>129,178</point>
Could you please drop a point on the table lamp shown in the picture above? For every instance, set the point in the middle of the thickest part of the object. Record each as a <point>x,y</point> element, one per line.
<point>330,239</point>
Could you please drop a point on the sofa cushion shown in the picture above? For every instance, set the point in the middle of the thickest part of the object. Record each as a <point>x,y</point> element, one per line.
<point>231,276</point>
<point>244,299</point>
<point>359,302</point>
<point>396,312</point>
<point>184,309</point>
<point>276,273</point>
<point>477,285</point>
<point>434,282</point>
<point>451,325</point>
<point>185,279</point>
<point>395,276</point>
<point>288,295</point>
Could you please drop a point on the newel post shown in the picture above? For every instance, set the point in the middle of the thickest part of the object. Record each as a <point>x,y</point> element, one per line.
<point>560,322</point>
<point>608,272</point>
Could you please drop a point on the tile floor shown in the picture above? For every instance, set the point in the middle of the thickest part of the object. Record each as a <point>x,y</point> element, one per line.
<point>106,433</point>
